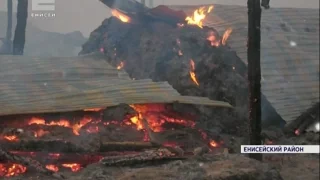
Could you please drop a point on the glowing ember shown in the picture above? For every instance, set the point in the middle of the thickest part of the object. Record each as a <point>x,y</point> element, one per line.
<point>74,167</point>
<point>198,16</point>
<point>40,133</point>
<point>11,138</point>
<point>180,53</point>
<point>93,109</point>
<point>153,113</point>
<point>64,123</point>
<point>226,35</point>
<point>124,18</point>
<point>8,170</point>
<point>214,41</point>
<point>180,25</point>
<point>93,129</point>
<point>76,128</point>
<point>54,155</point>
<point>120,66</point>
<point>297,132</point>
<point>192,72</point>
<point>52,167</point>
<point>213,143</point>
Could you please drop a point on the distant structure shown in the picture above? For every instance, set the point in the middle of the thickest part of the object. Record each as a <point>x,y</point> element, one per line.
<point>289,54</point>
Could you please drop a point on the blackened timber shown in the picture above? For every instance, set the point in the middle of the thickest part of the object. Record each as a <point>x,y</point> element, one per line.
<point>153,155</point>
<point>128,6</point>
<point>254,74</point>
<point>304,121</point>
<point>20,31</point>
<point>28,162</point>
<point>69,147</point>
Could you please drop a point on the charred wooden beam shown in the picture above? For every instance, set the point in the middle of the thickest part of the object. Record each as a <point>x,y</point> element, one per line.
<point>28,162</point>
<point>83,159</point>
<point>304,120</point>
<point>68,147</point>
<point>20,31</point>
<point>40,145</point>
<point>125,146</point>
<point>157,155</point>
<point>254,74</point>
<point>127,6</point>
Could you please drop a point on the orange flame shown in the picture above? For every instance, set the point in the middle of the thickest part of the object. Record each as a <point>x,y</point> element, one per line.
<point>226,35</point>
<point>74,167</point>
<point>93,109</point>
<point>124,18</point>
<point>213,143</point>
<point>11,138</point>
<point>214,41</point>
<point>40,133</point>
<point>8,170</point>
<point>120,66</point>
<point>64,123</point>
<point>198,16</point>
<point>192,73</point>
<point>52,167</point>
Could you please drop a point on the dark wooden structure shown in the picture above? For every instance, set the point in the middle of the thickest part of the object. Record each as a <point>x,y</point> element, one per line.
<point>254,74</point>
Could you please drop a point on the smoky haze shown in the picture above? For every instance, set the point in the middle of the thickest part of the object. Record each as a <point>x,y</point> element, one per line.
<point>86,15</point>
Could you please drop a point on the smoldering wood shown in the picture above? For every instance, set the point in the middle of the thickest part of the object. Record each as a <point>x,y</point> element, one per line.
<point>28,162</point>
<point>221,74</point>
<point>126,6</point>
<point>57,158</point>
<point>254,74</point>
<point>42,145</point>
<point>149,156</point>
<point>20,31</point>
<point>304,120</point>
<point>69,147</point>
<point>140,13</point>
<point>126,146</point>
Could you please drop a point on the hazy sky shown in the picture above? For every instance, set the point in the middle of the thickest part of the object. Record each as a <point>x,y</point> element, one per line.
<point>86,15</point>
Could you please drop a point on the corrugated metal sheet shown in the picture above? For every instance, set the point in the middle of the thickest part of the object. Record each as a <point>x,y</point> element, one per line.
<point>289,52</point>
<point>37,85</point>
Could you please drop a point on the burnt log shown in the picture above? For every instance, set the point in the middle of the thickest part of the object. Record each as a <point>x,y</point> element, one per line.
<point>40,145</point>
<point>68,158</point>
<point>69,147</point>
<point>139,13</point>
<point>127,6</point>
<point>157,155</point>
<point>304,121</point>
<point>28,162</point>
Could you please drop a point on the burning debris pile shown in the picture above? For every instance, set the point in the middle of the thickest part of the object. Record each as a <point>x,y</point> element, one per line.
<point>62,127</point>
<point>193,58</point>
<point>161,44</point>
<point>55,143</point>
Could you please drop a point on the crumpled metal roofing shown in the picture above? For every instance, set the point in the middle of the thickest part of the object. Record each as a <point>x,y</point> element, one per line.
<point>289,52</point>
<point>40,85</point>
